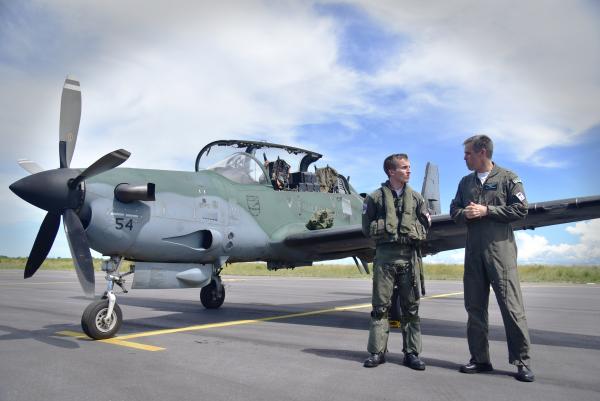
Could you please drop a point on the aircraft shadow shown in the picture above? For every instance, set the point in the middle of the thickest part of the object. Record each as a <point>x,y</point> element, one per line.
<point>46,335</point>
<point>186,313</point>
<point>182,313</point>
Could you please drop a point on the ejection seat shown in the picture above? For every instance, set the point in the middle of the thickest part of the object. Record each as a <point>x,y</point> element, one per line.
<point>279,172</point>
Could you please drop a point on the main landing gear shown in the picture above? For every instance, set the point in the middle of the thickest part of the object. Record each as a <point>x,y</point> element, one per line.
<point>212,296</point>
<point>103,318</point>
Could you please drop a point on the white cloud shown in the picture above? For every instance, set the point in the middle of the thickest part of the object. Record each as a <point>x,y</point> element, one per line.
<point>537,248</point>
<point>522,72</point>
<point>178,77</point>
<point>456,256</point>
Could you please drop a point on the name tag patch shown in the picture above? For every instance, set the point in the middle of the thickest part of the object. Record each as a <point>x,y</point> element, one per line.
<point>491,186</point>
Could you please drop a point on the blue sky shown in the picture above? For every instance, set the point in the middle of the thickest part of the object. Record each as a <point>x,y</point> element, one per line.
<point>354,80</point>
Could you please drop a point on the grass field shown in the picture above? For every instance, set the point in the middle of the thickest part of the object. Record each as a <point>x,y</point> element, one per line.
<point>528,273</point>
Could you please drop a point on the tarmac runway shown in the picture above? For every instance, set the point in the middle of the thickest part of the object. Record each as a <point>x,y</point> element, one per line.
<point>281,339</point>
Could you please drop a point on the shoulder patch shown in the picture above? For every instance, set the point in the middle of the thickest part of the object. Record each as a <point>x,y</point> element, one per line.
<point>516,180</point>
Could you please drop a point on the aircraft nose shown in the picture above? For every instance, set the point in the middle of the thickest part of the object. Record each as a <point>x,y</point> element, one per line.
<point>26,189</point>
<point>48,190</point>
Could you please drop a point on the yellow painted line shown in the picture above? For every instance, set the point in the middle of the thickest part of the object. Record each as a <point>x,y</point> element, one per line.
<point>263,319</point>
<point>144,347</point>
<point>120,340</point>
<point>445,295</point>
<point>114,341</point>
<point>69,333</point>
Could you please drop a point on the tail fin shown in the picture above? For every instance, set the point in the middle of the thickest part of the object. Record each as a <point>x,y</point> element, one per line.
<point>431,189</point>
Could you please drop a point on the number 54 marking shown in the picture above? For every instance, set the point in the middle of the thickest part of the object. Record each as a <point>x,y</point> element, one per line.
<point>120,223</point>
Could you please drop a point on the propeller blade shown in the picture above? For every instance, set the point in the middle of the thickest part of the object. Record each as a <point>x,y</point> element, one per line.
<point>30,166</point>
<point>70,115</point>
<point>80,250</point>
<point>105,163</point>
<point>43,243</point>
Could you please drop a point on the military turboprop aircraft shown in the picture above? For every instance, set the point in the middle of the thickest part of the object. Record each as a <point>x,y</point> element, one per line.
<point>179,229</point>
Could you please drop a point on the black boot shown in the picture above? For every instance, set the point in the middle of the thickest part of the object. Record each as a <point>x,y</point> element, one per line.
<point>525,374</point>
<point>374,360</point>
<point>413,362</point>
<point>474,367</point>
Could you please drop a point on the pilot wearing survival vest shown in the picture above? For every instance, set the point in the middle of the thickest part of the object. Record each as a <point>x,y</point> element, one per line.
<point>397,219</point>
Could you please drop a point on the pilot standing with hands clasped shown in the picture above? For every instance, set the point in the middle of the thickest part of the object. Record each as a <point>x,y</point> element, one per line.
<point>488,200</point>
<point>397,219</point>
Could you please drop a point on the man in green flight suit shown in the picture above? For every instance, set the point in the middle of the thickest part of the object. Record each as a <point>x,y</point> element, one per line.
<point>397,219</point>
<point>487,201</point>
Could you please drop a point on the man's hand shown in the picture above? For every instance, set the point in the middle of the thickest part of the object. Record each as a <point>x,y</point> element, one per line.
<point>475,211</point>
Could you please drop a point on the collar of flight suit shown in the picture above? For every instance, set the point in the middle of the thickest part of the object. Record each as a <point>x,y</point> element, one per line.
<point>495,170</point>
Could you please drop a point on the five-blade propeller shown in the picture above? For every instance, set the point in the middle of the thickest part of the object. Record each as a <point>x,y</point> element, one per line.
<point>60,192</point>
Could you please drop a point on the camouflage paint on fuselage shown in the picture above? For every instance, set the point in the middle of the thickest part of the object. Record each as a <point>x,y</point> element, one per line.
<point>245,222</point>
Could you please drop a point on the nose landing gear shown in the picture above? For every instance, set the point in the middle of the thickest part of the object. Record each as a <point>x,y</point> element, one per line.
<point>102,319</point>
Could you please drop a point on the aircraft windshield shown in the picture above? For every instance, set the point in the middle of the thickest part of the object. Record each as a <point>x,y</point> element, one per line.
<point>298,159</point>
<point>241,168</point>
<point>286,168</point>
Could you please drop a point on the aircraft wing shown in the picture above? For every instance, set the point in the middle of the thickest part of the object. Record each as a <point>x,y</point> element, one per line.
<point>333,243</point>
<point>444,234</point>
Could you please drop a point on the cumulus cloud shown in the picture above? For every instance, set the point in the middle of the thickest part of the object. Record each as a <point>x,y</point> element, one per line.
<point>196,73</point>
<point>456,256</point>
<point>537,248</point>
<point>519,74</point>
<point>253,68</point>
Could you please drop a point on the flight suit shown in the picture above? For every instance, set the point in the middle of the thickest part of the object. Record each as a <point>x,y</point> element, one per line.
<point>397,260</point>
<point>491,259</point>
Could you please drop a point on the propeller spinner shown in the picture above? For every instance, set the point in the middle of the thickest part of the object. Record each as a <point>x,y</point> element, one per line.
<point>61,193</point>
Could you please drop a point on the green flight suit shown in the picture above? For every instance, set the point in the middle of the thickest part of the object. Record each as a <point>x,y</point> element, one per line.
<point>491,259</point>
<point>397,260</point>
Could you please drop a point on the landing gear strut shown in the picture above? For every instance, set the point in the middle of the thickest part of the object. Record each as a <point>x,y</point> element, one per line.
<point>102,319</point>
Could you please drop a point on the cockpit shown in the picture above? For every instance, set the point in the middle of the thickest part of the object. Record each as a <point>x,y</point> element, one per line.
<point>241,168</point>
<point>285,168</point>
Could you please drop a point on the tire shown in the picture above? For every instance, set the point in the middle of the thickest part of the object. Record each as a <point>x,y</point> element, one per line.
<point>91,320</point>
<point>209,298</point>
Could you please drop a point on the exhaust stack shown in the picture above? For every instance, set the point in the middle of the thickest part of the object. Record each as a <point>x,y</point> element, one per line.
<point>128,193</point>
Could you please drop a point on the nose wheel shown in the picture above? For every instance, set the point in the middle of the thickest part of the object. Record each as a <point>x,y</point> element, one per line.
<point>98,322</point>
